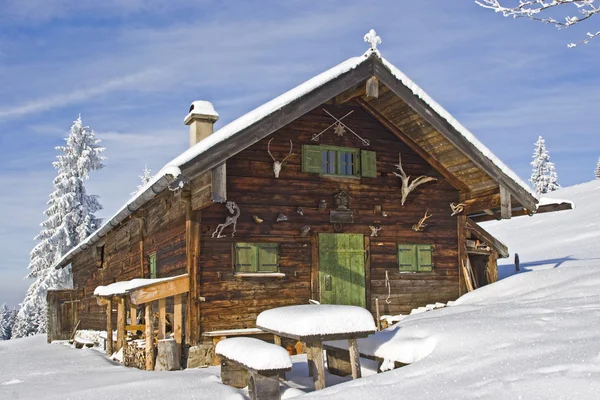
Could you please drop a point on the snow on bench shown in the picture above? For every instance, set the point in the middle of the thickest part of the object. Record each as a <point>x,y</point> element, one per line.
<point>254,354</point>
<point>124,287</point>
<point>316,320</point>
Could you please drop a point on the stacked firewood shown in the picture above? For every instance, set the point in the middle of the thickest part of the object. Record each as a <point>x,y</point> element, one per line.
<point>134,354</point>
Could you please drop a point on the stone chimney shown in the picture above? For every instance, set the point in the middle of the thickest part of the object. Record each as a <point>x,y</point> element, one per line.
<point>201,119</point>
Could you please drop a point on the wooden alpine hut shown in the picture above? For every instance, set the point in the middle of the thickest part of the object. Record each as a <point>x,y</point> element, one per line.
<point>354,187</point>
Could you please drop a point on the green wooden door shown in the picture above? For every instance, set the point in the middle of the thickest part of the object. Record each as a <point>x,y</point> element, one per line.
<point>342,269</point>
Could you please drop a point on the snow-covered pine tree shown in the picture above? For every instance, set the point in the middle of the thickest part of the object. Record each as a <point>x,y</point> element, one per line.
<point>5,322</point>
<point>71,218</point>
<point>145,178</point>
<point>597,172</point>
<point>543,176</point>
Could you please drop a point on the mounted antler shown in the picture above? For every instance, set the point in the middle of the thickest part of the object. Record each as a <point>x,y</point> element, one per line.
<point>457,208</point>
<point>278,164</point>
<point>419,226</point>
<point>406,186</point>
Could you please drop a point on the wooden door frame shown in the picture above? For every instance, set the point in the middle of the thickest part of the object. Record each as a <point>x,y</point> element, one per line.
<point>315,291</point>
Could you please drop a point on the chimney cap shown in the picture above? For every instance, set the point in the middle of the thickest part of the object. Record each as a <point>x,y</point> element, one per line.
<point>201,109</point>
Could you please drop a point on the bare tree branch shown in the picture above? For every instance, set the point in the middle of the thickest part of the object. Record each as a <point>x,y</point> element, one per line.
<point>534,9</point>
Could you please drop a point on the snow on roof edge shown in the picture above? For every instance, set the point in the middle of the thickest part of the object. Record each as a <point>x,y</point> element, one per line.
<point>148,191</point>
<point>266,109</point>
<point>442,112</point>
<point>124,287</point>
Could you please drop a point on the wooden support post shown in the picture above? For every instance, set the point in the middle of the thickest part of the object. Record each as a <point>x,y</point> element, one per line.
<point>377,313</point>
<point>464,281</point>
<point>143,268</point>
<point>192,248</point>
<point>149,338</point>
<point>178,321</point>
<point>219,183</point>
<point>354,358</point>
<point>309,360</point>
<point>109,328</point>
<point>319,365</point>
<point>132,315</point>
<point>505,203</point>
<point>162,319</point>
<point>121,323</point>
<point>277,340</point>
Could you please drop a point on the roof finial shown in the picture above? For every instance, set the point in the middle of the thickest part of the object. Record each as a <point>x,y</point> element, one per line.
<point>372,39</point>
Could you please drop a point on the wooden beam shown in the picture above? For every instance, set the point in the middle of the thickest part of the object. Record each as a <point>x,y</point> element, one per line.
<point>414,146</point>
<point>450,132</point>
<point>121,323</point>
<point>109,328</point>
<point>350,94</point>
<point>141,248</point>
<point>480,204</point>
<point>192,250</point>
<point>487,237</point>
<point>219,183</point>
<point>464,281</point>
<point>178,322</point>
<point>162,319</point>
<point>372,87</point>
<point>132,315</point>
<point>505,207</point>
<point>149,338</point>
<point>160,290</point>
<point>260,129</point>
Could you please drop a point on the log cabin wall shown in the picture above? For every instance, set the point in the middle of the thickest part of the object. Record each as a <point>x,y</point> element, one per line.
<point>233,302</point>
<point>160,227</point>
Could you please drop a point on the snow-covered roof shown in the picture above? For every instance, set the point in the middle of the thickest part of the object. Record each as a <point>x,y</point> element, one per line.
<point>173,169</point>
<point>124,287</point>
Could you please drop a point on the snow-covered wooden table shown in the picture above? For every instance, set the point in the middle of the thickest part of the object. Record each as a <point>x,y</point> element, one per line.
<point>314,324</point>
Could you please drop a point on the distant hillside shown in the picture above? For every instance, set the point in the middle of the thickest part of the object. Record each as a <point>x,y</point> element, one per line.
<point>555,239</point>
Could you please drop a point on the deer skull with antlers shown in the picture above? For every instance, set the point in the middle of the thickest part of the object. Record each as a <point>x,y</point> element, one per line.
<point>420,226</point>
<point>278,164</point>
<point>406,186</point>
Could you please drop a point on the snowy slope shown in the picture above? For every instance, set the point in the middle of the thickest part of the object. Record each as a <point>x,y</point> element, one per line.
<point>32,369</point>
<point>535,335</point>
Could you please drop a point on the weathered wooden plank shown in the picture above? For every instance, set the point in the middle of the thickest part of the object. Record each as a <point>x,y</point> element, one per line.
<point>160,290</point>
<point>121,323</point>
<point>149,337</point>
<point>109,328</point>
<point>505,203</point>
<point>178,322</point>
<point>162,318</point>
<point>488,238</point>
<point>354,358</point>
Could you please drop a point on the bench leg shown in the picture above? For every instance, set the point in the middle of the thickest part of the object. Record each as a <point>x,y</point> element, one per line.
<point>338,362</point>
<point>318,365</point>
<point>354,358</point>
<point>264,387</point>
<point>233,375</point>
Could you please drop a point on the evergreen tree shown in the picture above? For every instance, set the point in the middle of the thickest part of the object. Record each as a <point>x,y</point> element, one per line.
<point>5,325</point>
<point>145,178</point>
<point>597,172</point>
<point>70,219</point>
<point>543,176</point>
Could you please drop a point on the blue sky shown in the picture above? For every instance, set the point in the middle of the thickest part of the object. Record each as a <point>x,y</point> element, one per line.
<point>132,67</point>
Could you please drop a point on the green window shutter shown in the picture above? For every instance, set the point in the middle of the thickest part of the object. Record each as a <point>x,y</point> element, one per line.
<point>152,265</point>
<point>368,163</point>
<point>407,258</point>
<point>268,257</point>
<point>246,257</point>
<point>311,159</point>
<point>425,257</point>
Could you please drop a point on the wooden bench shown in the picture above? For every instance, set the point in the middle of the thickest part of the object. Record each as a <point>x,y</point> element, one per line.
<point>253,363</point>
<point>338,361</point>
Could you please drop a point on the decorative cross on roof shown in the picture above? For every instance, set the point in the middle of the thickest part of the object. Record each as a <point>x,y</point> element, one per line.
<point>372,39</point>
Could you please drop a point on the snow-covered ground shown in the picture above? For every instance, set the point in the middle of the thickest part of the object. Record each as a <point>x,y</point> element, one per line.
<point>535,335</point>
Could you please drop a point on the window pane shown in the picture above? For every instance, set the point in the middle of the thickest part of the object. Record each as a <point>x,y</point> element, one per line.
<point>331,162</point>
<point>324,162</point>
<point>346,163</point>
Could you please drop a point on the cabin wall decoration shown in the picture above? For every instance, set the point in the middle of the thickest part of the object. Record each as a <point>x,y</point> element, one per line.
<point>278,164</point>
<point>457,208</point>
<point>342,214</point>
<point>339,128</point>
<point>420,226</point>
<point>230,220</point>
<point>374,230</point>
<point>408,186</point>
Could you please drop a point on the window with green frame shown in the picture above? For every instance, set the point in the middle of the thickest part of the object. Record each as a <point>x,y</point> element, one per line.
<point>339,161</point>
<point>415,257</point>
<point>256,257</point>
<point>152,265</point>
